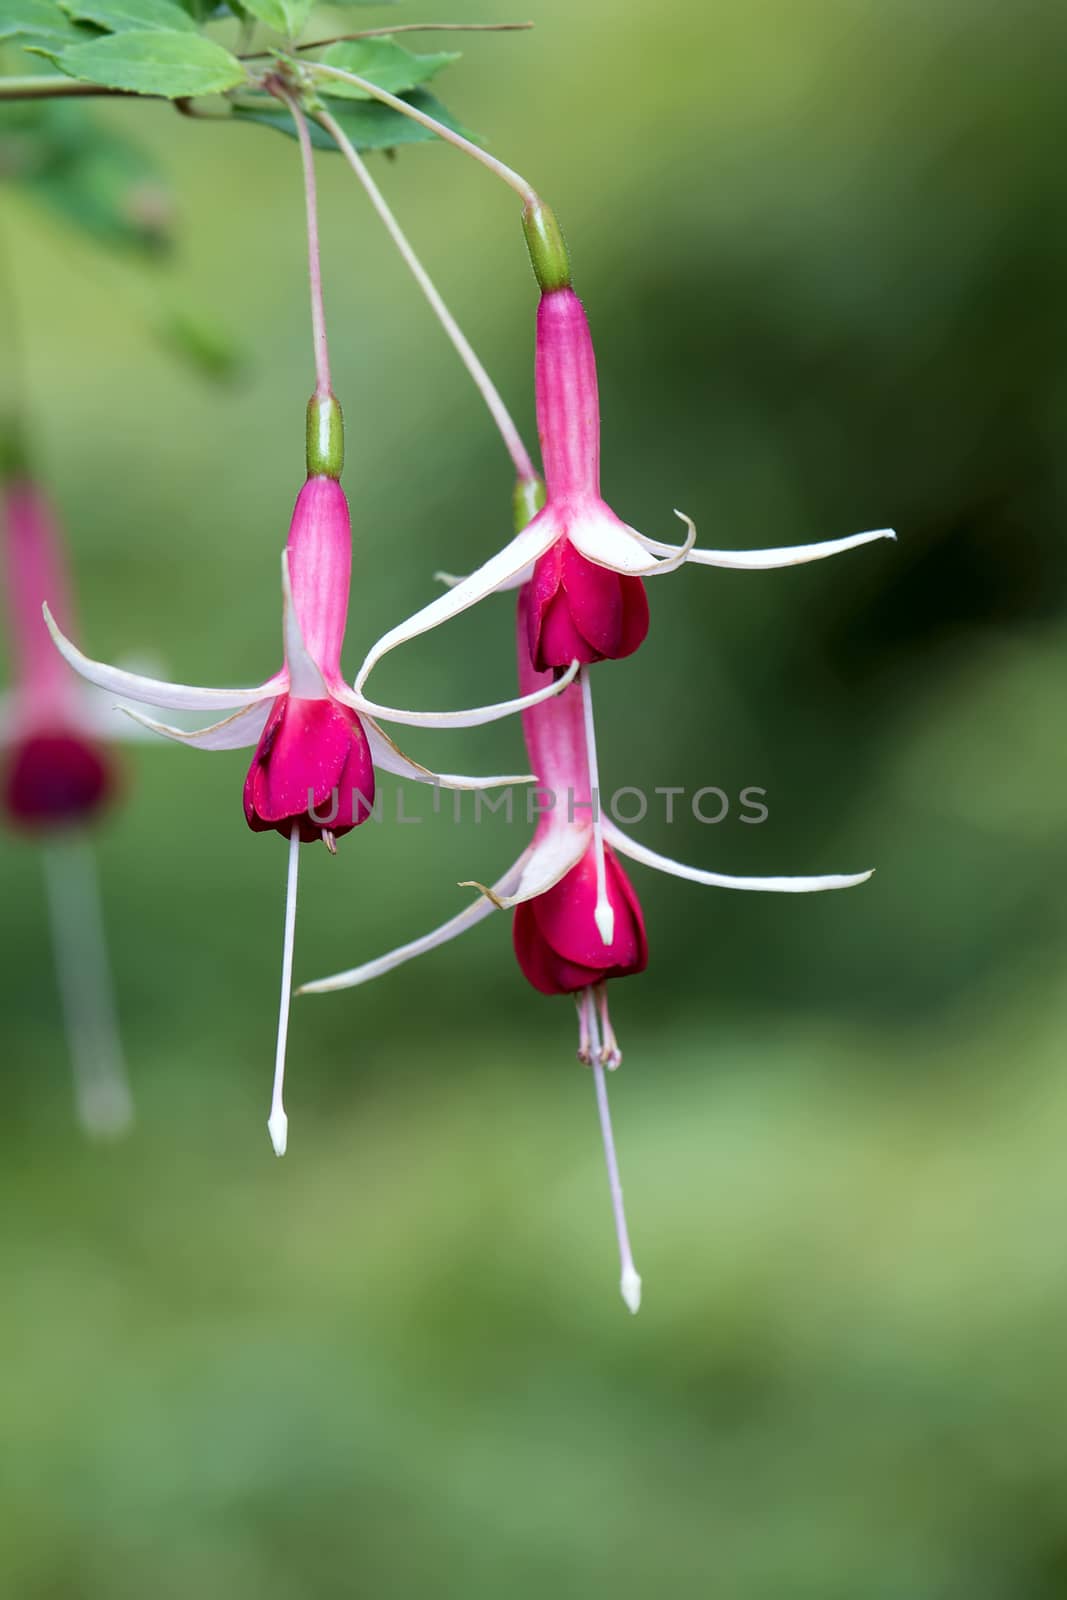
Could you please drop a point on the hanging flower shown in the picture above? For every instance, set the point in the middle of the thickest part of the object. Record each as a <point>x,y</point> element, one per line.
<point>58,777</point>
<point>585,566</point>
<point>578,922</point>
<point>317,741</point>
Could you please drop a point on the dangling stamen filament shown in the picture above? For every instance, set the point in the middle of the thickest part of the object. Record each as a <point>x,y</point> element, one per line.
<point>630,1281</point>
<point>583,1000</point>
<point>318,314</point>
<point>278,1122</point>
<point>484,384</point>
<point>610,1055</point>
<point>101,1089</point>
<point>604,915</point>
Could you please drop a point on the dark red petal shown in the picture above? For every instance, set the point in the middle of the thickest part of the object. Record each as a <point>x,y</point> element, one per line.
<point>54,779</point>
<point>312,766</point>
<point>594,595</point>
<point>541,965</point>
<point>557,942</point>
<point>559,642</point>
<point>634,628</point>
<point>540,592</point>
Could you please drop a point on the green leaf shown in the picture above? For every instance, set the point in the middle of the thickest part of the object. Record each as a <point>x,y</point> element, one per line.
<point>384,62</point>
<point>204,10</point>
<point>118,16</point>
<point>164,63</point>
<point>203,344</point>
<point>91,176</point>
<point>38,19</point>
<point>370,126</point>
<point>284,16</point>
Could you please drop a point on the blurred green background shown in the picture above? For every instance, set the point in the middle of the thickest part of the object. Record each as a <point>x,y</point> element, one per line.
<point>823,247</point>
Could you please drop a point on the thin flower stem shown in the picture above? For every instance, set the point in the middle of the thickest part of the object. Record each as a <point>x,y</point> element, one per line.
<point>483,383</point>
<point>278,1122</point>
<point>604,915</point>
<point>318,316</point>
<point>101,1088</point>
<point>528,194</point>
<point>629,1281</point>
<point>403,27</point>
<point>44,87</point>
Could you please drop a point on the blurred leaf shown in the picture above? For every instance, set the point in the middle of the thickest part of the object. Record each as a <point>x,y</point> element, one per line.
<point>284,16</point>
<point>38,19</point>
<point>385,63</point>
<point>120,15</point>
<point>369,126</point>
<point>203,10</point>
<point>95,178</point>
<point>203,344</point>
<point>164,63</point>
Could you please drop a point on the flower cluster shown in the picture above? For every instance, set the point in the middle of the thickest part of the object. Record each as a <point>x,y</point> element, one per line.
<point>580,572</point>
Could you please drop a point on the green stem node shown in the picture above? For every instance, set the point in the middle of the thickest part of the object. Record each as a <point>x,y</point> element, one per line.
<point>544,240</point>
<point>325,437</point>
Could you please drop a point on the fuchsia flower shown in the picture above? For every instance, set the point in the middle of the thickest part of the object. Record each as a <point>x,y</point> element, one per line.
<point>577,921</point>
<point>317,741</point>
<point>57,771</point>
<point>58,777</point>
<point>585,566</point>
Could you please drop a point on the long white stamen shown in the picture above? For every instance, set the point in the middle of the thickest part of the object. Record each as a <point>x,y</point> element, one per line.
<point>604,915</point>
<point>630,1281</point>
<point>483,383</point>
<point>101,1089</point>
<point>278,1122</point>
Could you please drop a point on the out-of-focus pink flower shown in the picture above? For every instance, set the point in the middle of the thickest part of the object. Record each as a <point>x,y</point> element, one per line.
<point>57,777</point>
<point>56,772</point>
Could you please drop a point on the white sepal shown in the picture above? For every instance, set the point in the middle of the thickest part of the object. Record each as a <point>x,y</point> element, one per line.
<point>152,691</point>
<point>516,581</point>
<point>790,555</point>
<point>476,912</point>
<point>474,718</point>
<point>390,758</point>
<point>609,543</point>
<point>521,552</point>
<point>237,732</point>
<point>545,864</point>
<point>718,880</point>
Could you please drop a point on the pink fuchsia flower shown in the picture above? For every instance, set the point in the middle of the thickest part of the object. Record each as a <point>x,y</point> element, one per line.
<point>578,922</point>
<point>585,566</point>
<point>57,772</point>
<point>317,741</point>
<point>58,777</point>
